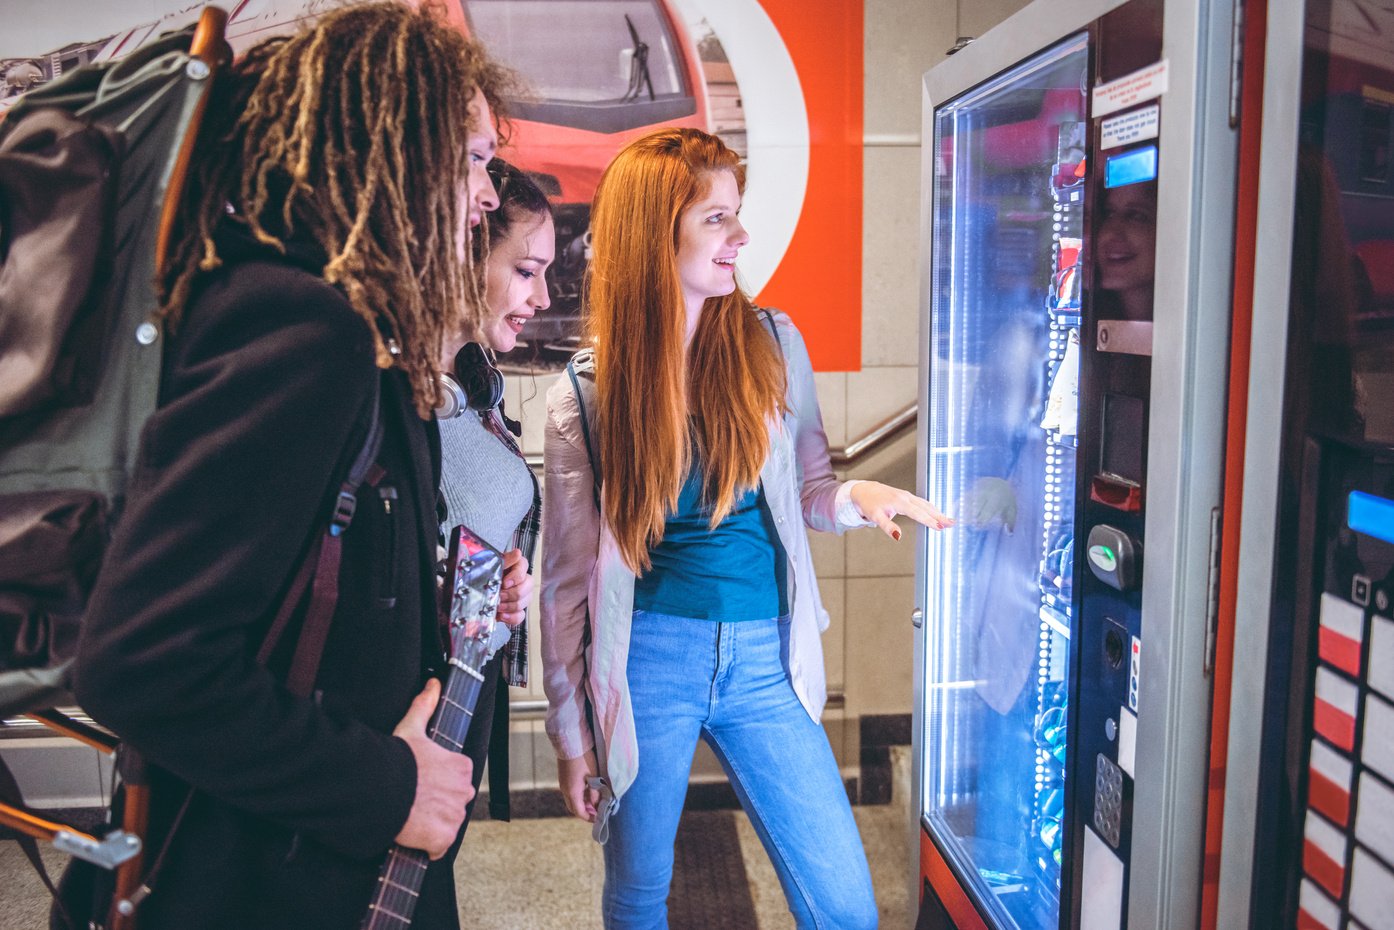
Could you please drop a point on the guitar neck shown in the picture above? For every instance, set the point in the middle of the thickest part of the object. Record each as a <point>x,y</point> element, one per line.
<point>473,587</point>
<point>457,700</point>
<point>401,877</point>
<point>399,887</point>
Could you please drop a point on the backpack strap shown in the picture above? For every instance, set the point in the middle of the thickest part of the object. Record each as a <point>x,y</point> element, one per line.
<point>321,566</point>
<point>769,321</point>
<point>587,364</point>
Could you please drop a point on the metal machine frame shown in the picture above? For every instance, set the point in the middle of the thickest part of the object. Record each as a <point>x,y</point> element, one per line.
<point>1187,430</point>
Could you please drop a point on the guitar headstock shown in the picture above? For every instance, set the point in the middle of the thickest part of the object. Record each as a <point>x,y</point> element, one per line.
<point>476,571</point>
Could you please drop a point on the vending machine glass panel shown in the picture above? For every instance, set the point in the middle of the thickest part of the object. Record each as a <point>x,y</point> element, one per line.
<point>1006,254</point>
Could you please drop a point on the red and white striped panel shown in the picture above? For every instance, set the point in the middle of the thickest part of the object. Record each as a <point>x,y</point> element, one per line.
<point>1334,714</point>
<point>1315,911</point>
<point>1341,634</point>
<point>1324,854</point>
<point>1329,783</point>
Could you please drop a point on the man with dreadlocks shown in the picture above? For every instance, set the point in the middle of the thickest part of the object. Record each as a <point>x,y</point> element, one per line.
<point>322,249</point>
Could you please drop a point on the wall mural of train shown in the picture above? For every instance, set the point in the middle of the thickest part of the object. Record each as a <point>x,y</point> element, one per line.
<point>769,78</point>
<point>596,74</point>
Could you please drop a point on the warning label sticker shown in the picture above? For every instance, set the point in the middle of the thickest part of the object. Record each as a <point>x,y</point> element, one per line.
<point>1133,126</point>
<point>1139,87</point>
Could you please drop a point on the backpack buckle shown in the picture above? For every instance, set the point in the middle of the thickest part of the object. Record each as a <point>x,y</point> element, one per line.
<point>344,508</point>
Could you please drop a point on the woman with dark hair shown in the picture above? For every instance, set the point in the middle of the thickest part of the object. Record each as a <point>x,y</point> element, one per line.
<point>320,260</point>
<point>512,256</point>
<point>678,600</point>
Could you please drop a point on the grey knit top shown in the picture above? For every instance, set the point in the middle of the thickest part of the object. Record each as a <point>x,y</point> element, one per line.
<point>487,487</point>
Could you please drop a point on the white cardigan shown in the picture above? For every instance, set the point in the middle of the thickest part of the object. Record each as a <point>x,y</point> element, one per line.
<point>583,575</point>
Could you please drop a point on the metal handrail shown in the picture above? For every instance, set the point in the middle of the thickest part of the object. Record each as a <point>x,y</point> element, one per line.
<point>877,437</point>
<point>841,456</point>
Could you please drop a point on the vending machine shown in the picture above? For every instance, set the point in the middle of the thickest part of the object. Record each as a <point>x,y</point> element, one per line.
<point>1078,210</point>
<point>1309,806</point>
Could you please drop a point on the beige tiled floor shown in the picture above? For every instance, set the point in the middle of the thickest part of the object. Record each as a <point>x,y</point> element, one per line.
<point>546,874</point>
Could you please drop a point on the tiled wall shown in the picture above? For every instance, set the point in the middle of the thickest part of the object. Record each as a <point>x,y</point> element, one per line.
<point>866,579</point>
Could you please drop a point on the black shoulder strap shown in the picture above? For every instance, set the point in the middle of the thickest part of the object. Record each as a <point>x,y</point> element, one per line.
<point>321,564</point>
<point>586,432</point>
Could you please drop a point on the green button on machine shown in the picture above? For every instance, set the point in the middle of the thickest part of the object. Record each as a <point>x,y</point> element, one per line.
<point>1113,557</point>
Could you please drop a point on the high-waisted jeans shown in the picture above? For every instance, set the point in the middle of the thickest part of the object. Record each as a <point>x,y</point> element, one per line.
<point>725,683</point>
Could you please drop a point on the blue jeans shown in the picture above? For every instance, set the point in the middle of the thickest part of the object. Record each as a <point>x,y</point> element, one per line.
<point>725,683</point>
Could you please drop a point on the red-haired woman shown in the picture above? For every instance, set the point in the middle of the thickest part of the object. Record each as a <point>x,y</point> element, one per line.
<point>683,457</point>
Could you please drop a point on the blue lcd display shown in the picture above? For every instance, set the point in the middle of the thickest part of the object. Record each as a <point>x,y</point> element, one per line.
<point>1132,167</point>
<point>1373,516</point>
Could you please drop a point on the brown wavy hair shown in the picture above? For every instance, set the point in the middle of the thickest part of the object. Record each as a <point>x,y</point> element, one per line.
<point>657,403</point>
<point>353,132</point>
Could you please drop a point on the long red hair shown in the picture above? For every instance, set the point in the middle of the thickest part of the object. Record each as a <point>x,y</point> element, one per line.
<point>655,401</point>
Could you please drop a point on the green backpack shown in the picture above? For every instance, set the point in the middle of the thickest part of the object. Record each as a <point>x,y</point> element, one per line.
<point>91,167</point>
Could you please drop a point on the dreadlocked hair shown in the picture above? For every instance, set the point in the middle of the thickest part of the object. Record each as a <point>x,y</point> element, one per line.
<point>353,133</point>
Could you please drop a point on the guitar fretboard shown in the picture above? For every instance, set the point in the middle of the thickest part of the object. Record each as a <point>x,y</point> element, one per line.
<point>399,882</point>
<point>475,587</point>
<point>399,887</point>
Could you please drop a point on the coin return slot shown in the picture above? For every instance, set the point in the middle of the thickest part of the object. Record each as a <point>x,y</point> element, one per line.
<point>1113,649</point>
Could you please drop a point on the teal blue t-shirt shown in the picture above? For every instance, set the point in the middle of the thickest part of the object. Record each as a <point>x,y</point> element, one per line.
<point>734,572</point>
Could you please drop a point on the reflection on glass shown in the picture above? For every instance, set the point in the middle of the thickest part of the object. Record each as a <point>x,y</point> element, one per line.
<point>1126,252</point>
<point>1004,381</point>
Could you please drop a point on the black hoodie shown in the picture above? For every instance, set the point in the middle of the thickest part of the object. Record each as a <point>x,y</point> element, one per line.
<point>264,403</point>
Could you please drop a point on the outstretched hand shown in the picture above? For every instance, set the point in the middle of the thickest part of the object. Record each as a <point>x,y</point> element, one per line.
<point>881,504</point>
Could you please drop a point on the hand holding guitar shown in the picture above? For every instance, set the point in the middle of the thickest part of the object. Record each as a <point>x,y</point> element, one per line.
<point>443,781</point>
<point>516,590</point>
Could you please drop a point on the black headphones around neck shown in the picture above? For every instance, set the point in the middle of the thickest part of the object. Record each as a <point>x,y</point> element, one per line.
<point>474,385</point>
